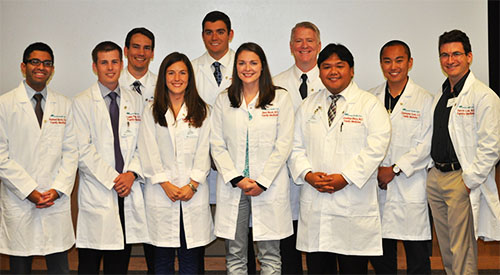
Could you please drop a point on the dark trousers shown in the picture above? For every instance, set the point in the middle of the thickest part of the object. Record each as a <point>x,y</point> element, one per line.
<point>417,257</point>
<point>291,258</point>
<point>188,258</point>
<point>321,263</point>
<point>114,261</point>
<point>352,264</point>
<point>57,263</point>
<point>149,254</point>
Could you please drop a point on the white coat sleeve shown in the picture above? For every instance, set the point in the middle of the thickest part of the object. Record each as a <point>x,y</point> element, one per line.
<point>149,152</point>
<point>360,168</point>
<point>488,141</point>
<point>12,175</point>
<point>90,161</point>
<point>418,157</point>
<point>65,178</point>
<point>283,143</point>
<point>201,165</point>
<point>218,145</point>
<point>298,162</point>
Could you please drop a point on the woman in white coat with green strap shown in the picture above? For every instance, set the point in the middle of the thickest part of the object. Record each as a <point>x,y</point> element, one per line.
<point>252,132</point>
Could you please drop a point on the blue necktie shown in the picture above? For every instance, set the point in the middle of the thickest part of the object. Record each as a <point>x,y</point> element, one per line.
<point>217,72</point>
<point>114,113</point>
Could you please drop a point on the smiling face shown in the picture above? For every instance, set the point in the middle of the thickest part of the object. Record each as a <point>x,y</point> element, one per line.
<point>305,47</point>
<point>177,78</point>
<point>216,37</point>
<point>108,68</point>
<point>335,74</point>
<point>454,62</point>
<point>140,52</point>
<point>249,67</point>
<point>37,76</point>
<point>395,64</point>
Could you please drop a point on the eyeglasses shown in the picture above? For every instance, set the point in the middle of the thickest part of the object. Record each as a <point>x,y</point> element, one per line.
<point>36,62</point>
<point>453,55</point>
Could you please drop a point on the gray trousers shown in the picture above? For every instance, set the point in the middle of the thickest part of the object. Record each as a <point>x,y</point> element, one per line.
<point>236,250</point>
<point>452,213</point>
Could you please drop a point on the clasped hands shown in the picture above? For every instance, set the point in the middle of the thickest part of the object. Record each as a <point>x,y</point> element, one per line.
<point>43,200</point>
<point>175,193</point>
<point>123,183</point>
<point>249,187</point>
<point>326,183</point>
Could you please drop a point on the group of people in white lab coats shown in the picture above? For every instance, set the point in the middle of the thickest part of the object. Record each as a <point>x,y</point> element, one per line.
<point>303,162</point>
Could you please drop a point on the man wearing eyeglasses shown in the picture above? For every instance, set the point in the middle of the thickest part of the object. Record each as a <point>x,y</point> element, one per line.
<point>38,160</point>
<point>465,147</point>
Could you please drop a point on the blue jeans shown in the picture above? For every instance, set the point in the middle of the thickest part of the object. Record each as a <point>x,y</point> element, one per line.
<point>188,258</point>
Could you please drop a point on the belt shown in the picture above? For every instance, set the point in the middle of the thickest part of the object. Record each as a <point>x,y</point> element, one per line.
<point>448,166</point>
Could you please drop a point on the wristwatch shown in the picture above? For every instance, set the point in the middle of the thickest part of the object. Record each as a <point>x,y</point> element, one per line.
<point>396,169</point>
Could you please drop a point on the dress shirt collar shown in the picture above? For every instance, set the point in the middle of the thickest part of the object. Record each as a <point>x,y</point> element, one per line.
<point>30,92</point>
<point>311,74</point>
<point>105,91</point>
<point>224,61</point>
<point>130,79</point>
<point>458,86</point>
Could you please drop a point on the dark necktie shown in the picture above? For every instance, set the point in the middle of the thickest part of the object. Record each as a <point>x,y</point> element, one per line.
<point>217,72</point>
<point>38,108</point>
<point>137,86</point>
<point>303,86</point>
<point>114,113</point>
<point>332,111</point>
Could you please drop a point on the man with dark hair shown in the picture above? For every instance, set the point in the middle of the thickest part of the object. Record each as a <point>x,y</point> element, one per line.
<point>38,160</point>
<point>341,136</point>
<point>139,51</point>
<point>403,173</point>
<point>461,186</point>
<point>111,213</point>
<point>213,71</point>
<point>300,80</point>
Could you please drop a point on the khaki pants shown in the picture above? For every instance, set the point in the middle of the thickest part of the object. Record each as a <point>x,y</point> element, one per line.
<point>452,213</point>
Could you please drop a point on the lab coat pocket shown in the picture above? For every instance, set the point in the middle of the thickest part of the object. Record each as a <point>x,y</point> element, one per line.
<point>191,140</point>
<point>409,129</point>
<point>352,136</point>
<point>54,136</point>
<point>268,127</point>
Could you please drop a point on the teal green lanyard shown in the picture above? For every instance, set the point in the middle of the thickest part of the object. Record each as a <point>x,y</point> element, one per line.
<point>246,172</point>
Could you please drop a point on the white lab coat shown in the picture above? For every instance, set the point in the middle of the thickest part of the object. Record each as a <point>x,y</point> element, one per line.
<point>403,206</point>
<point>208,91</point>
<point>98,225</point>
<point>290,80</point>
<point>270,135</point>
<point>33,158</point>
<point>177,153</point>
<point>474,127</point>
<point>347,221</point>
<point>148,81</point>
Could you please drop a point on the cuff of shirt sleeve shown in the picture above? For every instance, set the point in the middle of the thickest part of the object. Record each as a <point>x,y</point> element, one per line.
<point>26,191</point>
<point>405,167</point>
<point>302,177</point>
<point>347,179</point>
<point>469,181</point>
<point>198,175</point>
<point>62,188</point>
<point>261,187</point>
<point>234,181</point>
<point>264,182</point>
<point>159,178</point>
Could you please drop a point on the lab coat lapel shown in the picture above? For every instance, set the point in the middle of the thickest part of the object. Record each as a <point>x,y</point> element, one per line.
<point>100,109</point>
<point>29,112</point>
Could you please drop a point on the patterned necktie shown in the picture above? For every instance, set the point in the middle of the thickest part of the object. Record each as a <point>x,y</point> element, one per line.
<point>137,86</point>
<point>332,111</point>
<point>303,86</point>
<point>217,72</point>
<point>114,113</point>
<point>38,108</point>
